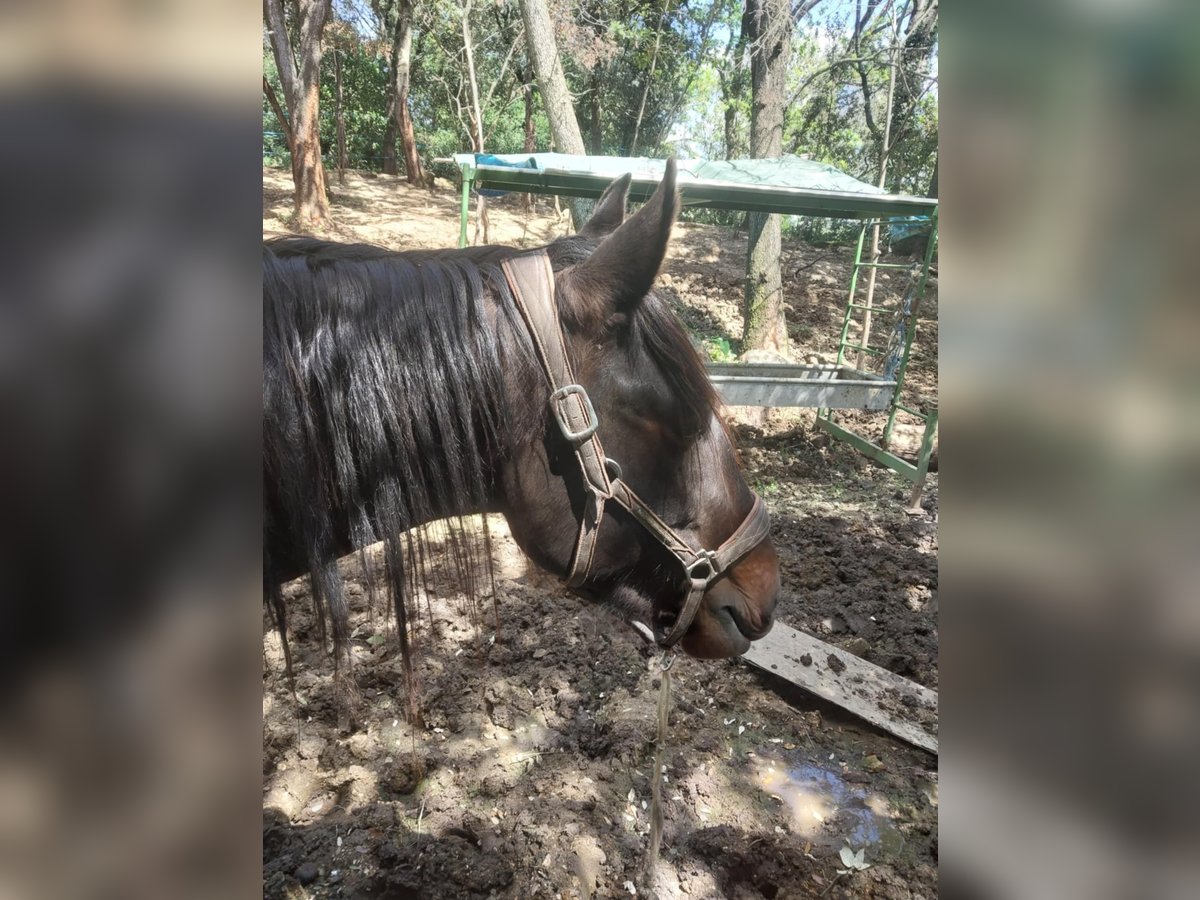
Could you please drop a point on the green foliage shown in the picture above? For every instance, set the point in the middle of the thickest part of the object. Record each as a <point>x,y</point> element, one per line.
<point>820,231</point>
<point>697,104</point>
<point>719,350</point>
<point>365,98</point>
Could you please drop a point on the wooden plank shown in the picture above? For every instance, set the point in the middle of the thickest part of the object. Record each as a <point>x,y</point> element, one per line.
<point>895,704</point>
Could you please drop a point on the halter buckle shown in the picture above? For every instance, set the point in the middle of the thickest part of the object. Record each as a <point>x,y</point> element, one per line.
<point>704,567</point>
<point>564,422</point>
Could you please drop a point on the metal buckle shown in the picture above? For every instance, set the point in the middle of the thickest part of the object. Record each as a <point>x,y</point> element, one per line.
<point>708,560</point>
<point>564,424</point>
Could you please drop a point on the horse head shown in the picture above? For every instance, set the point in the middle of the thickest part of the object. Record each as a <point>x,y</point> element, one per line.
<point>657,417</point>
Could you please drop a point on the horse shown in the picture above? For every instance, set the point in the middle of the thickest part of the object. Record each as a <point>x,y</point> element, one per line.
<point>404,387</point>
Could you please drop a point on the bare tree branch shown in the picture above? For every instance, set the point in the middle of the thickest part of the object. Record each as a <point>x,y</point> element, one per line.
<point>285,62</point>
<point>284,123</point>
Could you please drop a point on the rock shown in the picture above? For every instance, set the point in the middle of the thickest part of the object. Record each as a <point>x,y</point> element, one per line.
<point>764,357</point>
<point>806,660</point>
<point>307,873</point>
<point>311,746</point>
<point>835,624</point>
<point>540,652</point>
<point>858,646</point>
<point>835,665</point>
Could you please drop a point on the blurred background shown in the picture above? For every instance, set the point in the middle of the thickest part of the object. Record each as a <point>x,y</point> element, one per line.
<point>130,641</point>
<point>1070,371</point>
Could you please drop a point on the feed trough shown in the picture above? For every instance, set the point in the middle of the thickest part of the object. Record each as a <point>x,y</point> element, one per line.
<point>819,386</point>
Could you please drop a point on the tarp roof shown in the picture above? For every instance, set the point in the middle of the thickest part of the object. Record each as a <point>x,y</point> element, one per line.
<point>788,184</point>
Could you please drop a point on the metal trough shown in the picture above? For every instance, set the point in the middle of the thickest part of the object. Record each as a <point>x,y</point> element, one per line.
<point>812,386</point>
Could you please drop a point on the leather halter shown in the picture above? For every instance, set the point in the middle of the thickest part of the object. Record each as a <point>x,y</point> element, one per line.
<point>531,280</point>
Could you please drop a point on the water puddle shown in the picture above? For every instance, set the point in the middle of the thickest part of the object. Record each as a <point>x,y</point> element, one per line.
<point>828,809</point>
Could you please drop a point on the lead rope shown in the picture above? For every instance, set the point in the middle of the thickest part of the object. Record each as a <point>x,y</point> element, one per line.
<point>666,661</point>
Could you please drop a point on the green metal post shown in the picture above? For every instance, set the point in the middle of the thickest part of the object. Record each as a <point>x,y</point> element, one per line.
<point>466,205</point>
<point>911,330</point>
<point>931,421</point>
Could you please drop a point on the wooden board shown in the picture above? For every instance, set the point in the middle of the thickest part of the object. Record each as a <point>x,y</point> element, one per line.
<point>897,705</point>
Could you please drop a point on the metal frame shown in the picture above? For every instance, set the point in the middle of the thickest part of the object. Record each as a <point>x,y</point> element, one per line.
<point>808,386</point>
<point>880,452</point>
<point>827,388</point>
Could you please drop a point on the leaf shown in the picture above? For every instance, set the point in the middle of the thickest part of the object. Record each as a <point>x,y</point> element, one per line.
<point>376,639</point>
<point>854,861</point>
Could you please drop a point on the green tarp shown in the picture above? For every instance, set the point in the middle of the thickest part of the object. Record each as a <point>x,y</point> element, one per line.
<point>786,184</point>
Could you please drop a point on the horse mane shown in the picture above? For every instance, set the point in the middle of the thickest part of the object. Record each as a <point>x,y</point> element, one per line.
<point>385,400</point>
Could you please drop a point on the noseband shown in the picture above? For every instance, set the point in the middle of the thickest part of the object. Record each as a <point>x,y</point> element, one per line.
<point>531,280</point>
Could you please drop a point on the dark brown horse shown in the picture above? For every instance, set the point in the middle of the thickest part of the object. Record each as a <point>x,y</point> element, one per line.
<point>405,387</point>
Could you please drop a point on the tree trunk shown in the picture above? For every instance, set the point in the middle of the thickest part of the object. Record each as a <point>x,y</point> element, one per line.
<point>403,118</point>
<point>481,218</point>
<point>530,131</point>
<point>389,134</point>
<point>637,125</point>
<point>733,89</point>
<point>303,96</point>
<point>472,82</point>
<point>767,29</point>
<point>285,60</point>
<point>342,162</point>
<point>730,132</point>
<point>389,142</point>
<point>597,132</point>
<point>885,152</point>
<point>560,109</point>
<point>913,63</point>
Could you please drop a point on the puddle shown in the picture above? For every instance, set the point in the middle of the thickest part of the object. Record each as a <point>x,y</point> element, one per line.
<point>827,808</point>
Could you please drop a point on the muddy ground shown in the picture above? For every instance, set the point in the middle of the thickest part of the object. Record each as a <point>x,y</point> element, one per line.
<point>529,775</point>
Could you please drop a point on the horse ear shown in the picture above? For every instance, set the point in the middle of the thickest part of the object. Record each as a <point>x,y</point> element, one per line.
<point>623,268</point>
<point>610,210</point>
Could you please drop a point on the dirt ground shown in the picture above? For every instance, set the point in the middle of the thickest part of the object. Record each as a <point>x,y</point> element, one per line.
<point>530,773</point>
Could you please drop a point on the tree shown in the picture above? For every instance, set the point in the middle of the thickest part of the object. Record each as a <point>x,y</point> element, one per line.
<point>767,25</point>
<point>552,83</point>
<point>915,53</point>
<point>300,76</point>
<point>396,19</point>
<point>733,79</point>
